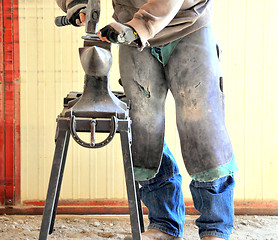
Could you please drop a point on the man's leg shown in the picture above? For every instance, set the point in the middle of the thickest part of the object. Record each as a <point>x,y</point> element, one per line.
<point>144,84</point>
<point>163,196</point>
<point>194,78</point>
<point>214,201</point>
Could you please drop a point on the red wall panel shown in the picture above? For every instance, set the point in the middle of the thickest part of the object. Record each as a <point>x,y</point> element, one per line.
<point>9,104</point>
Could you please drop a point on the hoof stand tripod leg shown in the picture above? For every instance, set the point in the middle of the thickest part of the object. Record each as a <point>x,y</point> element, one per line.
<point>97,109</point>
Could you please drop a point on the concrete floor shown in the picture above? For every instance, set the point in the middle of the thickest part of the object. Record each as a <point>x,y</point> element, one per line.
<point>98,227</point>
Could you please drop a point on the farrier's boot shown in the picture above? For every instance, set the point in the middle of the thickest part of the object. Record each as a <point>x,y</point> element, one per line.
<point>155,234</point>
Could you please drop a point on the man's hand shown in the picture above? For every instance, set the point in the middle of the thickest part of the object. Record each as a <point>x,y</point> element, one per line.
<point>81,21</point>
<point>118,33</point>
<point>76,15</point>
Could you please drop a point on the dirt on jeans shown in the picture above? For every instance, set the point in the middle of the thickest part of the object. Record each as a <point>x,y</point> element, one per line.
<point>117,227</point>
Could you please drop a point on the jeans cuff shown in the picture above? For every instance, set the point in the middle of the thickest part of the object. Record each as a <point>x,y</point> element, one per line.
<point>214,233</point>
<point>165,230</point>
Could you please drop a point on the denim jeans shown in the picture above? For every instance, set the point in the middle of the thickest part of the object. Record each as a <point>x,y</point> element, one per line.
<point>163,196</point>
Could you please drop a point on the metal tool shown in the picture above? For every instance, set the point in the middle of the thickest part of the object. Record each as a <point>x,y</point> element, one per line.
<point>95,110</point>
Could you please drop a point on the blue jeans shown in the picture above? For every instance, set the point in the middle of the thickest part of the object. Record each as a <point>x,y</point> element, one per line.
<point>163,196</point>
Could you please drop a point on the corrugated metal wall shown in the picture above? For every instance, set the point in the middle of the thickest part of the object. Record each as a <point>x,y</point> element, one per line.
<point>50,69</point>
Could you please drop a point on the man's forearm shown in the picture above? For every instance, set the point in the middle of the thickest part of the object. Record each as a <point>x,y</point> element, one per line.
<point>65,4</point>
<point>62,4</point>
<point>73,9</point>
<point>153,16</point>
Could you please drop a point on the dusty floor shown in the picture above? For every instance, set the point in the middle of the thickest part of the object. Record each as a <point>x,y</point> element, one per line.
<point>117,227</point>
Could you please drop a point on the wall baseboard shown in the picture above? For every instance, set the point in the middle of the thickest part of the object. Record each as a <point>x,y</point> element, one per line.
<point>121,207</point>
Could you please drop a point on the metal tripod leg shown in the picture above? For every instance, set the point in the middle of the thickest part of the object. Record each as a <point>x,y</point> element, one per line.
<point>55,182</point>
<point>60,182</point>
<point>135,208</point>
<point>140,209</point>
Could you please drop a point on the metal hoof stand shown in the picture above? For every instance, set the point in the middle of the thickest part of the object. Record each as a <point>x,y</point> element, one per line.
<point>69,125</point>
<point>96,110</point>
